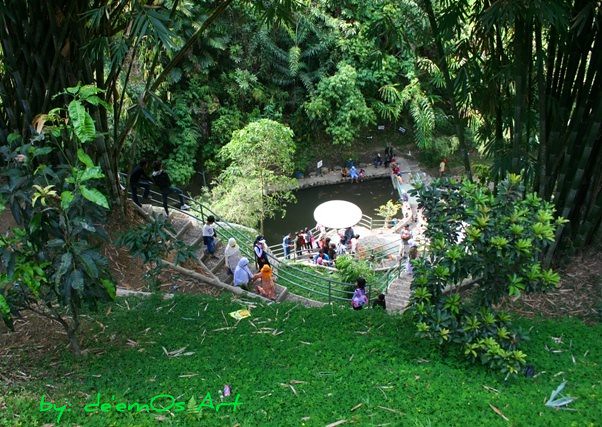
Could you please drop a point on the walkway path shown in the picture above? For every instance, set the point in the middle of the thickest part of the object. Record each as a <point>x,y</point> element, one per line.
<point>334,176</point>
<point>398,294</point>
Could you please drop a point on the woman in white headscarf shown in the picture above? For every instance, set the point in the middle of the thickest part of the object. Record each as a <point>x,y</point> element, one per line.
<point>231,255</point>
<point>242,274</point>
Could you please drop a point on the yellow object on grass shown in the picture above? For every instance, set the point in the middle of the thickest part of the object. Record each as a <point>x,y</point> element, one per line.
<point>241,314</point>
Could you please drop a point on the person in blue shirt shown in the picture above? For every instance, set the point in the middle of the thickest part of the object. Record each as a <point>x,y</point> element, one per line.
<point>353,174</point>
<point>287,245</point>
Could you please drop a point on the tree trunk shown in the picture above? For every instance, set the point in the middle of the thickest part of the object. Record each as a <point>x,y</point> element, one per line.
<point>449,88</point>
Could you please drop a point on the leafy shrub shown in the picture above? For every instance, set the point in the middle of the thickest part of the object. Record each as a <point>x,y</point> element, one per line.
<point>350,269</point>
<point>497,241</point>
<point>52,264</point>
<point>152,242</point>
<point>388,210</point>
<point>438,148</point>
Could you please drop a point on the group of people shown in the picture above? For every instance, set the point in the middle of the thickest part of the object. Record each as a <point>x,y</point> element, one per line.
<point>160,178</point>
<point>296,243</point>
<point>292,243</point>
<point>238,266</point>
<point>389,157</point>
<point>328,251</point>
<point>353,173</point>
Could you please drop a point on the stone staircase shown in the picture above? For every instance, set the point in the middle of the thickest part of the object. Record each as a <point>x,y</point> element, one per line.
<point>190,231</point>
<point>398,294</point>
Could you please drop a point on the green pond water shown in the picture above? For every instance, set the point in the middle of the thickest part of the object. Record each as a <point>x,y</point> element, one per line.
<point>368,195</point>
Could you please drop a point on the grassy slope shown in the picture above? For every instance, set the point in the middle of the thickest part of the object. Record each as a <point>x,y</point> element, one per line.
<point>342,357</point>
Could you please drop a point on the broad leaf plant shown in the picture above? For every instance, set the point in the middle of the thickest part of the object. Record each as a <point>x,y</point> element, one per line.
<point>484,247</point>
<point>51,263</point>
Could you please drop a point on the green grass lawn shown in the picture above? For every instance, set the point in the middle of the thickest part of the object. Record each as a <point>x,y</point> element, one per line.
<point>294,366</point>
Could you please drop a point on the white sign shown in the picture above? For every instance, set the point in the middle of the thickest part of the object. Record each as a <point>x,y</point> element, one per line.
<point>319,164</point>
<point>381,127</point>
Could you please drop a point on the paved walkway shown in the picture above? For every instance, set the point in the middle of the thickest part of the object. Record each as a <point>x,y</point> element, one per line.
<point>333,176</point>
<point>398,294</point>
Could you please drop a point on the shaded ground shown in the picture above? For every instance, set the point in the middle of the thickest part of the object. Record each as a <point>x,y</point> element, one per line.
<point>578,295</point>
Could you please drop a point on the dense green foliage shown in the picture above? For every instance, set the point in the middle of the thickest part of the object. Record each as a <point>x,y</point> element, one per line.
<point>53,265</point>
<point>256,184</point>
<point>494,240</point>
<point>516,81</point>
<point>339,106</point>
<point>351,268</point>
<point>291,366</point>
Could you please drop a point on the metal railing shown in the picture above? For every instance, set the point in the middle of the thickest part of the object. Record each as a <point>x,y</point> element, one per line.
<point>286,274</point>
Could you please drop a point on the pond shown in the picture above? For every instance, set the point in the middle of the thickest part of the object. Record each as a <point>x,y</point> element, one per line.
<point>368,195</point>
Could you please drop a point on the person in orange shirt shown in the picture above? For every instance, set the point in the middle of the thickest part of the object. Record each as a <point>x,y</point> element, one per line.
<point>265,285</point>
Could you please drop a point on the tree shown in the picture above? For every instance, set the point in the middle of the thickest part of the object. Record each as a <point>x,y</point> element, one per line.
<point>52,265</point>
<point>388,210</point>
<point>126,48</point>
<point>153,242</point>
<point>339,105</point>
<point>491,244</point>
<point>529,79</point>
<point>256,184</point>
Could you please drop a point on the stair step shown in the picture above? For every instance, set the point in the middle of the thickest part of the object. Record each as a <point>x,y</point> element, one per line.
<point>184,229</point>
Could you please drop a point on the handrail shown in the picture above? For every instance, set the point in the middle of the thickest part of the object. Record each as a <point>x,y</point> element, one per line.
<point>229,230</point>
<point>319,282</point>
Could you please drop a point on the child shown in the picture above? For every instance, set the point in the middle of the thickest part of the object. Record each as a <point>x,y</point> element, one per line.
<point>380,302</point>
<point>359,298</point>
<point>209,236</point>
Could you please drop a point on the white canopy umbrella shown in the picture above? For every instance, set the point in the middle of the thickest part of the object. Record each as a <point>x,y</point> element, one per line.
<point>337,214</point>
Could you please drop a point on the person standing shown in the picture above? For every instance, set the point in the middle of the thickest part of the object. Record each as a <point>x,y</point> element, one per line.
<point>231,255</point>
<point>139,178</point>
<point>261,256</point>
<point>300,243</point>
<point>162,181</point>
<point>406,236</point>
<point>388,155</point>
<point>309,240</point>
<point>413,254</point>
<point>287,245</point>
<point>349,233</point>
<point>209,235</point>
<point>442,166</point>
